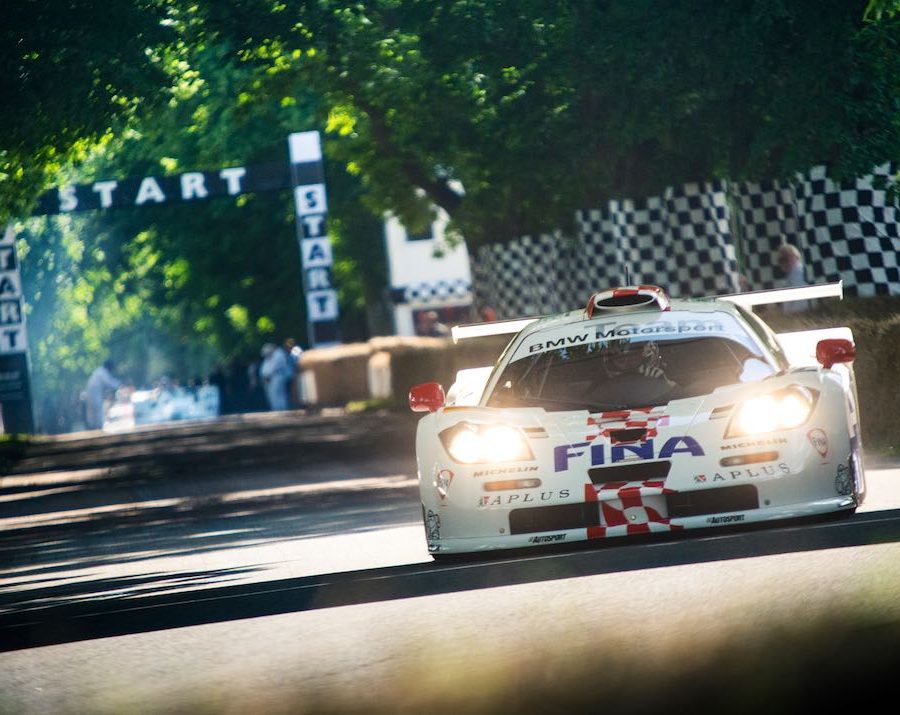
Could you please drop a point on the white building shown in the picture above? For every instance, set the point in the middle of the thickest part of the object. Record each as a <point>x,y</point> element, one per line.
<point>425,273</point>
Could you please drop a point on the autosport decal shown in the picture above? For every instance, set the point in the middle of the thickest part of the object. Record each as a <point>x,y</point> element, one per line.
<point>607,331</point>
<point>522,498</point>
<point>546,538</point>
<point>765,470</point>
<point>622,452</point>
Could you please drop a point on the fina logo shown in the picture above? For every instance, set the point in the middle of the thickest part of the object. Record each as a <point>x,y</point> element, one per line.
<point>623,452</point>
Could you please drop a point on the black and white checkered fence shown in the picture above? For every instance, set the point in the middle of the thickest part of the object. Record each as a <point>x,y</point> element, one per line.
<point>434,293</point>
<point>526,276</point>
<point>846,231</point>
<point>766,218</point>
<point>851,232</point>
<point>680,240</point>
<point>683,240</point>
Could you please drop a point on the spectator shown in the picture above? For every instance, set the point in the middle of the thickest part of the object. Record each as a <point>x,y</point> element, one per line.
<point>256,395</point>
<point>275,372</point>
<point>429,324</point>
<point>294,387</point>
<point>487,314</point>
<point>790,264</point>
<point>101,383</point>
<point>217,378</point>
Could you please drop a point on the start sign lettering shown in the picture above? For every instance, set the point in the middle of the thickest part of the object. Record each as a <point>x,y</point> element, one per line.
<point>13,338</point>
<point>311,205</point>
<point>157,190</point>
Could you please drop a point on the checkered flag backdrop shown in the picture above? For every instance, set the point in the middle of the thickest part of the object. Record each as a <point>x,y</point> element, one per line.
<point>688,240</point>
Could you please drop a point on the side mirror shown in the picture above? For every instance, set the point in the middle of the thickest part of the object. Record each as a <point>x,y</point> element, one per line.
<point>427,397</point>
<point>835,350</point>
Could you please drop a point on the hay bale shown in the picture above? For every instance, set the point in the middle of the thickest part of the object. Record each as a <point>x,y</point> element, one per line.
<point>340,373</point>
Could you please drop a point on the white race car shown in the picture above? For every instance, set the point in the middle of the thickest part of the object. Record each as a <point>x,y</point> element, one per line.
<point>640,414</point>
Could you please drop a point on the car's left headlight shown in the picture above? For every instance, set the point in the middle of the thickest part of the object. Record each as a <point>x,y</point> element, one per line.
<point>784,409</point>
<point>470,443</point>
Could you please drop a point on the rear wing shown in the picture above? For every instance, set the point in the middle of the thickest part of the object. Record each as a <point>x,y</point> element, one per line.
<point>784,295</point>
<point>747,300</point>
<point>497,327</point>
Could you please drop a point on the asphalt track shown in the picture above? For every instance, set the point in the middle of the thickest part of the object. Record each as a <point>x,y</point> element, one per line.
<point>306,516</point>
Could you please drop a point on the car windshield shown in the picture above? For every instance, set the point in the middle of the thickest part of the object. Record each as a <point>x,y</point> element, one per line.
<point>626,373</point>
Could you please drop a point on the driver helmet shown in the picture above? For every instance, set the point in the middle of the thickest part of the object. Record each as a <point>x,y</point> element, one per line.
<point>623,356</point>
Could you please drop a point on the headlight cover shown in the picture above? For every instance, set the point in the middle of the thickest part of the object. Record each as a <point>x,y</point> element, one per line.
<point>470,443</point>
<point>784,409</point>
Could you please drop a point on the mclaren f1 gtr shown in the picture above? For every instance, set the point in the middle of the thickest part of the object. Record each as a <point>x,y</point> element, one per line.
<point>640,414</point>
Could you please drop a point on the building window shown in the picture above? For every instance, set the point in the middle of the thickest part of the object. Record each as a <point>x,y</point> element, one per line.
<point>425,234</point>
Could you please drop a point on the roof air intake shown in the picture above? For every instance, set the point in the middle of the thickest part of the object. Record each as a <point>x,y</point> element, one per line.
<point>620,300</point>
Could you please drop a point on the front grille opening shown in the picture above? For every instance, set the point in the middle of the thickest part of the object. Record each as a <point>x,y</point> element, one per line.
<point>634,434</point>
<point>712,501</point>
<point>554,518</point>
<point>637,472</point>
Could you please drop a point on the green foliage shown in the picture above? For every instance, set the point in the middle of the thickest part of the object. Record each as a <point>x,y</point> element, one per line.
<point>538,109</point>
<point>507,114</point>
<point>72,70</point>
<point>177,288</point>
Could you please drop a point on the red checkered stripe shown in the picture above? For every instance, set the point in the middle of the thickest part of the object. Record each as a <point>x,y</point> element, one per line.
<point>643,417</point>
<point>617,498</point>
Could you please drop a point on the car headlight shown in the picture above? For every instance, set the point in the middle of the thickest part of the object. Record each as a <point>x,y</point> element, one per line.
<point>775,411</point>
<point>470,443</point>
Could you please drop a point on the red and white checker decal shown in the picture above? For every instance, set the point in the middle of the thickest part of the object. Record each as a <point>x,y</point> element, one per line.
<point>648,418</point>
<point>623,510</point>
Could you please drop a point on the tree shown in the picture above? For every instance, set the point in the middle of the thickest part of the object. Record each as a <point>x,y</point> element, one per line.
<point>535,109</point>
<point>538,109</point>
<point>72,72</point>
<point>176,289</point>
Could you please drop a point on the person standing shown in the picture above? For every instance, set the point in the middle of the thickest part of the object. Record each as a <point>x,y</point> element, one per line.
<point>275,372</point>
<point>790,263</point>
<point>101,383</point>
<point>430,325</point>
<point>294,386</point>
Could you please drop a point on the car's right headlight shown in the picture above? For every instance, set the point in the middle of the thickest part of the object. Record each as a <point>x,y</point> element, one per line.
<point>784,409</point>
<point>470,443</point>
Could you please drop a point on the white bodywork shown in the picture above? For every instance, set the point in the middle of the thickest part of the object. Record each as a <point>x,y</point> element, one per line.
<point>591,478</point>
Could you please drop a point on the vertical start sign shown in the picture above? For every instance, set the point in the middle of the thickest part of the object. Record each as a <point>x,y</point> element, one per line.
<point>15,391</point>
<point>308,181</point>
